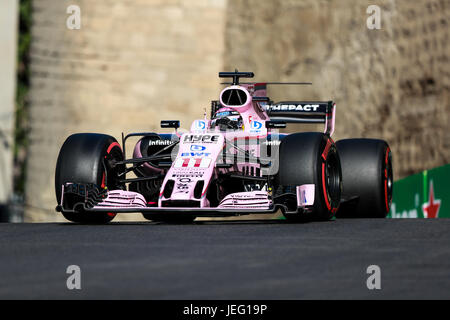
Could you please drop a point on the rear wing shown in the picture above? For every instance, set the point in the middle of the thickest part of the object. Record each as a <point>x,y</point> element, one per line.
<point>304,112</point>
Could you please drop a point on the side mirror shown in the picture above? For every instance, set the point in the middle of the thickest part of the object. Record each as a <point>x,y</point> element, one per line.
<point>275,124</point>
<point>170,124</point>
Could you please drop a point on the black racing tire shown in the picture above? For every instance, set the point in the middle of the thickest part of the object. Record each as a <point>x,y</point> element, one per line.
<point>81,160</point>
<point>311,158</point>
<point>170,218</point>
<point>367,178</point>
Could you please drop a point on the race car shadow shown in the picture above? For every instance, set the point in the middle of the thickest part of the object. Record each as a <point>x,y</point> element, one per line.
<point>230,221</point>
<point>214,221</point>
<point>202,222</point>
<point>236,220</point>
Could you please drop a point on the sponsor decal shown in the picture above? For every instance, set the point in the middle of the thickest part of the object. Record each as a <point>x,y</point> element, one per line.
<point>256,125</point>
<point>408,213</point>
<point>195,154</point>
<point>422,195</point>
<point>200,125</point>
<point>293,107</point>
<point>192,163</point>
<point>227,114</point>
<point>431,208</point>
<point>196,147</point>
<point>201,138</point>
<point>182,185</point>
<point>245,196</point>
<point>188,174</point>
<point>159,142</point>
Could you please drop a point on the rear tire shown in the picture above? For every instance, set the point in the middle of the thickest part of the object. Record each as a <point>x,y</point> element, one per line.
<point>311,158</point>
<point>81,160</point>
<point>368,178</point>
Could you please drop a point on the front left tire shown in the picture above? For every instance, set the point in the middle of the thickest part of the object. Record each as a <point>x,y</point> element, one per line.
<point>311,158</point>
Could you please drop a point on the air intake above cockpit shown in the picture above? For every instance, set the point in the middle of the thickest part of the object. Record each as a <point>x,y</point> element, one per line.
<point>234,97</point>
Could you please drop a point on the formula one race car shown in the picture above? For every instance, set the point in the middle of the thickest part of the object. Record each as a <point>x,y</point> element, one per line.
<point>235,163</point>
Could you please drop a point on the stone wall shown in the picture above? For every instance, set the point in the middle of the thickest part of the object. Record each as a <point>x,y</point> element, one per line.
<point>8,54</point>
<point>392,83</point>
<point>132,64</point>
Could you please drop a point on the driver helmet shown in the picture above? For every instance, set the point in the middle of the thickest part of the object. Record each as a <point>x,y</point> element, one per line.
<point>227,118</point>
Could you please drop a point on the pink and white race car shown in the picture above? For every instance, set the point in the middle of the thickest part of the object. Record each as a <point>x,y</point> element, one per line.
<point>235,163</point>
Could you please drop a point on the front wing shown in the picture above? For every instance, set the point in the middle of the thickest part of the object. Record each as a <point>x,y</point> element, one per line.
<point>91,198</point>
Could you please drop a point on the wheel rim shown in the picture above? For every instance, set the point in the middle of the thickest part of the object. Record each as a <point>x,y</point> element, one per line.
<point>333,178</point>
<point>114,151</point>
<point>388,178</point>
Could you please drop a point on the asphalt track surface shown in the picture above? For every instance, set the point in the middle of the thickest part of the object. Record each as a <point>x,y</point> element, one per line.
<point>227,260</point>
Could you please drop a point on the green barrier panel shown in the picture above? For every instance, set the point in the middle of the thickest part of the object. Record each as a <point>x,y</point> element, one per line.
<point>423,195</point>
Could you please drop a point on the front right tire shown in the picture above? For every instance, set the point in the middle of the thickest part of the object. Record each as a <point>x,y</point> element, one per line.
<point>83,158</point>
